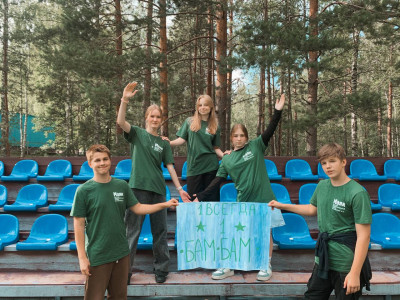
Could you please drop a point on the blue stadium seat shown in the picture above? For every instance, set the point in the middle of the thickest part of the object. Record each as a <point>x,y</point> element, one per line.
<point>363,169</point>
<point>47,233</point>
<point>145,241</point>
<point>299,169</point>
<point>30,197</point>
<point>376,206</point>
<point>57,170</point>
<point>184,187</point>
<point>22,171</point>
<point>228,192</point>
<point>72,245</point>
<point>305,192</point>
<point>294,235</point>
<point>281,193</point>
<point>165,172</point>
<point>184,171</point>
<point>389,195</point>
<point>391,168</point>
<point>272,170</point>
<point>65,199</point>
<point>167,193</point>
<point>123,169</point>
<point>85,173</point>
<point>3,195</point>
<point>385,230</point>
<point>321,172</point>
<point>9,230</point>
<point>1,168</point>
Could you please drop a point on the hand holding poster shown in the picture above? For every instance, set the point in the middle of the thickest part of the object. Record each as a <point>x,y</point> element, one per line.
<point>215,235</point>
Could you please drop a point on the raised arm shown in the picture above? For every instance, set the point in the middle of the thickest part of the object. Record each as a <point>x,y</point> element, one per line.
<point>129,92</point>
<point>79,230</point>
<point>269,132</point>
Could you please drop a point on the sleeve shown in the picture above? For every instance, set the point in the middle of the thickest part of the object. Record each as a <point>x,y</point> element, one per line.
<point>167,158</point>
<point>79,206</point>
<point>131,199</point>
<point>269,132</point>
<point>183,132</point>
<point>222,172</point>
<point>314,200</point>
<point>211,190</point>
<point>130,136</point>
<point>362,208</point>
<point>217,138</point>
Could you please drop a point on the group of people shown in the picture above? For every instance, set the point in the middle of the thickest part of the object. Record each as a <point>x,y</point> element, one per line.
<point>341,204</point>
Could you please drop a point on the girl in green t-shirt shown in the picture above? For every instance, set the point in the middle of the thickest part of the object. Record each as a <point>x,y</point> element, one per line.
<point>202,134</point>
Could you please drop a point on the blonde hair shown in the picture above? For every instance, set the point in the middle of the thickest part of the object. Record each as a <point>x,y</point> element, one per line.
<point>150,109</point>
<point>331,149</point>
<point>97,148</point>
<point>242,127</point>
<point>212,117</point>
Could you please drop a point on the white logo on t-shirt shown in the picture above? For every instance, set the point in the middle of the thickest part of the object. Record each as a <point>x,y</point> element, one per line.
<point>158,148</point>
<point>248,155</point>
<point>338,206</point>
<point>118,196</point>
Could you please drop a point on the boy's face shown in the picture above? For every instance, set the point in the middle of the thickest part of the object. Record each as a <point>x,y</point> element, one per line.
<point>100,163</point>
<point>333,166</point>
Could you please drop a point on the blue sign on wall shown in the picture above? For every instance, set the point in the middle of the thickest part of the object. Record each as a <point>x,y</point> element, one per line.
<point>215,235</point>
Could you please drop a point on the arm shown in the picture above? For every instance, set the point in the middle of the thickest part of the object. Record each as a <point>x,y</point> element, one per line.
<point>305,210</point>
<point>177,142</point>
<point>219,152</point>
<point>352,280</point>
<point>79,229</point>
<point>184,195</point>
<point>129,92</point>
<point>269,132</point>
<point>144,209</point>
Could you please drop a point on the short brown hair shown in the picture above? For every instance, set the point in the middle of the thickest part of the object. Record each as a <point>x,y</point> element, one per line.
<point>97,148</point>
<point>331,149</point>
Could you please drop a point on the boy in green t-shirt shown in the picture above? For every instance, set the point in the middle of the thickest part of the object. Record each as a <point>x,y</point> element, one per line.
<point>98,210</point>
<point>344,220</point>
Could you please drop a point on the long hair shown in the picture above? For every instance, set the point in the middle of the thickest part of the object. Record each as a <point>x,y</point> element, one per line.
<point>239,126</point>
<point>150,109</point>
<point>212,117</point>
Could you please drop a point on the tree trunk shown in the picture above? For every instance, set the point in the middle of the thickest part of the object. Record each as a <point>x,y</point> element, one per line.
<point>229,78</point>
<point>380,139</point>
<point>5,128</point>
<point>354,83</point>
<point>210,62</point>
<point>163,66</point>
<point>389,152</point>
<point>221,84</point>
<point>269,95</point>
<point>345,118</point>
<point>118,48</point>
<point>311,132</point>
<point>147,69</point>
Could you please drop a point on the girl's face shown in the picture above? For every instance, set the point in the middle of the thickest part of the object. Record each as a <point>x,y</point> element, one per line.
<point>238,139</point>
<point>203,108</point>
<point>153,119</point>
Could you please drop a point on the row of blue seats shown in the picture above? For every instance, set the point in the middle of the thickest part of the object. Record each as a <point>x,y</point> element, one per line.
<point>295,169</point>
<point>33,196</point>
<point>50,231</point>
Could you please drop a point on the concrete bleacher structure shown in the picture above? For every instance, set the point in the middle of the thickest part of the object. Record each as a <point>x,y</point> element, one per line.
<point>55,274</point>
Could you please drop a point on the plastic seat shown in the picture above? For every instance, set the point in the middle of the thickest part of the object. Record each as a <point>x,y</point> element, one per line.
<point>305,192</point>
<point>281,193</point>
<point>145,241</point>
<point>22,171</point>
<point>184,187</point>
<point>385,230</point>
<point>47,233</point>
<point>85,173</point>
<point>363,169</point>
<point>294,234</point>
<point>72,245</point>
<point>30,198</point>
<point>165,172</point>
<point>272,170</point>
<point>1,168</point>
<point>299,169</point>
<point>9,230</point>
<point>389,195</point>
<point>57,170</point>
<point>123,169</point>
<point>228,192</point>
<point>391,168</point>
<point>184,171</point>
<point>65,199</point>
<point>3,195</point>
<point>321,172</point>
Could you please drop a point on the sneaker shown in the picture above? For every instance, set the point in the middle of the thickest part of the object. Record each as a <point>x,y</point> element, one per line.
<point>265,275</point>
<point>160,278</point>
<point>222,273</point>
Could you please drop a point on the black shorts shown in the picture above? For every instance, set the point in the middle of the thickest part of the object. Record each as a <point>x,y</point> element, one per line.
<point>198,183</point>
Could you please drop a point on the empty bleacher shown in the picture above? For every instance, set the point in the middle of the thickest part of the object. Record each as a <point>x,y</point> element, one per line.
<point>55,273</point>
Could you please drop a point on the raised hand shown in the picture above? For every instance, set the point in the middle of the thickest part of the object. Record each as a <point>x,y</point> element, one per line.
<point>280,102</point>
<point>129,91</point>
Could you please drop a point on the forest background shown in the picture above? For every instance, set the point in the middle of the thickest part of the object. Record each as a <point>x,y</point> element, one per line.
<point>67,61</point>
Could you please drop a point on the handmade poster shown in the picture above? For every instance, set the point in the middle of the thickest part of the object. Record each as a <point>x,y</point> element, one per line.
<point>215,235</point>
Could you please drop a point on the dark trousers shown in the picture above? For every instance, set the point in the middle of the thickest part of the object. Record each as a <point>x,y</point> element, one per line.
<point>198,183</point>
<point>320,289</point>
<point>158,223</point>
<point>111,277</point>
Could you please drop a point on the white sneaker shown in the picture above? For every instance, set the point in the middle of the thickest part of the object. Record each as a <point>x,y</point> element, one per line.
<point>265,275</point>
<point>222,273</point>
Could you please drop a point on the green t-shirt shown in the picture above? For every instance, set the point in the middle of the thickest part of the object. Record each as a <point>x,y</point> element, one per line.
<point>148,152</point>
<point>339,208</point>
<point>104,205</point>
<point>247,170</point>
<point>201,156</point>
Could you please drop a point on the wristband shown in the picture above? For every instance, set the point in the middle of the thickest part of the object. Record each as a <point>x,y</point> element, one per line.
<point>179,188</point>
